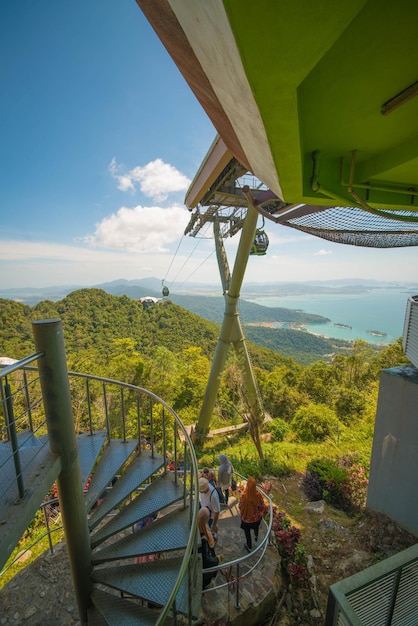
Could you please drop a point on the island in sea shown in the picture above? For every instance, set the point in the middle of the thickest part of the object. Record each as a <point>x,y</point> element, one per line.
<point>376,333</point>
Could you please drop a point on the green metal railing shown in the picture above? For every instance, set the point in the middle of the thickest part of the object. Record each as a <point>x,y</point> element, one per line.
<point>32,403</point>
<point>239,567</point>
<point>384,594</point>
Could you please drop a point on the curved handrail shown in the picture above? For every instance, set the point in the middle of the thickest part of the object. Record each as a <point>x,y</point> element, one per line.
<point>192,490</point>
<point>191,472</point>
<point>260,548</point>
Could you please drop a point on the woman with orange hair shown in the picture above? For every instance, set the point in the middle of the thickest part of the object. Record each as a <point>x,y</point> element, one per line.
<point>251,507</point>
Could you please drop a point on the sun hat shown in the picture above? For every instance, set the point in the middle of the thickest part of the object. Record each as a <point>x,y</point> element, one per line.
<point>203,484</point>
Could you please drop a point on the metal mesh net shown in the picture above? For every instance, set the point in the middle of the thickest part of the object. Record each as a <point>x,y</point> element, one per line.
<point>354,226</point>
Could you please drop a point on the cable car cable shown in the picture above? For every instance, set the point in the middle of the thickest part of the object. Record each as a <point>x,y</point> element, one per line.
<point>196,268</point>
<point>187,259</point>
<point>172,260</point>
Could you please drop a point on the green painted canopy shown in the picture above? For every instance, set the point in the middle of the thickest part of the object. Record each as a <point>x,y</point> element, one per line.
<point>317,99</point>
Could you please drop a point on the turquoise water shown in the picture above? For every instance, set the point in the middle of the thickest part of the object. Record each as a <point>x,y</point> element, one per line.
<point>382,310</point>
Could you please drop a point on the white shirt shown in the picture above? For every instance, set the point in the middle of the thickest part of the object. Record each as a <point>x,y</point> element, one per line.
<point>210,499</point>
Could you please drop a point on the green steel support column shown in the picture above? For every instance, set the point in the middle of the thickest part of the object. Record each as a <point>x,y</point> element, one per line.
<point>230,323</point>
<point>250,384</point>
<point>53,372</point>
<point>237,334</point>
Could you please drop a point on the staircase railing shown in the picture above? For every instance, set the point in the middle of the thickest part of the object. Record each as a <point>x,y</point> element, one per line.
<point>28,427</point>
<point>18,405</point>
<point>239,567</point>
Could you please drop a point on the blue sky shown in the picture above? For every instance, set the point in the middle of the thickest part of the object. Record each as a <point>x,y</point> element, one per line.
<point>100,138</point>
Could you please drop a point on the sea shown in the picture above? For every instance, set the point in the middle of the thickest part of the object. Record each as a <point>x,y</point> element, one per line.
<point>376,316</point>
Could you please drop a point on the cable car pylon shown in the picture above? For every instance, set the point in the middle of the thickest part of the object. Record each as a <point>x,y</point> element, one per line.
<point>231,329</point>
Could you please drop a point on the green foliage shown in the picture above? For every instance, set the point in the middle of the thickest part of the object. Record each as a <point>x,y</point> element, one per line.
<point>342,481</point>
<point>314,422</point>
<point>350,405</point>
<point>318,381</point>
<point>281,396</point>
<point>293,554</point>
<point>278,429</point>
<point>391,356</point>
<point>303,347</point>
<point>212,308</point>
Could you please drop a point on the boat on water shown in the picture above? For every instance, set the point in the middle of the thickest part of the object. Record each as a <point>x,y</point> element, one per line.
<point>376,333</point>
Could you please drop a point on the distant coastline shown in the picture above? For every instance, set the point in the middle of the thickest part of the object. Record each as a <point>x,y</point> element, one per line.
<point>376,316</point>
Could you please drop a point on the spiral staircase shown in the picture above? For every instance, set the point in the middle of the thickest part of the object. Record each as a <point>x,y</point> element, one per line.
<point>130,522</point>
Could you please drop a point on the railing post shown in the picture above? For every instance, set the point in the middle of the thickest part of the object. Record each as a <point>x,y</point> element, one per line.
<point>12,436</point>
<point>53,372</point>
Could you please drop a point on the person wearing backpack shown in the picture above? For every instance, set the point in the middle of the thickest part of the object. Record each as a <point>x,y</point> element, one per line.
<point>225,472</point>
<point>207,547</point>
<point>209,498</point>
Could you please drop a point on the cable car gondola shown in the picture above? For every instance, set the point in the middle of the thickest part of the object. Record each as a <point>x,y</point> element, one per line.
<point>260,243</point>
<point>165,291</point>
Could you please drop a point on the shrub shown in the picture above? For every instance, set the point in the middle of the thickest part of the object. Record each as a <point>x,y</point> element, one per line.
<point>314,422</point>
<point>293,553</point>
<point>342,482</point>
<point>278,429</point>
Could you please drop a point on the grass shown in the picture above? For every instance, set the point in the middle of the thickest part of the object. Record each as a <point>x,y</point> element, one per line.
<point>282,457</point>
<point>36,545</point>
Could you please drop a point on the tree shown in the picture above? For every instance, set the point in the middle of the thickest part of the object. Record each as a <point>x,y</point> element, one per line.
<point>193,373</point>
<point>318,381</point>
<point>280,394</point>
<point>314,422</point>
<point>350,404</point>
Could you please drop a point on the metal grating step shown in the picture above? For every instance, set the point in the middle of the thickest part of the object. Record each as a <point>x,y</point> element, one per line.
<point>111,609</point>
<point>152,581</point>
<point>170,532</point>
<point>142,467</point>
<point>40,469</point>
<point>89,447</point>
<point>34,461</point>
<point>162,492</point>
<point>115,454</point>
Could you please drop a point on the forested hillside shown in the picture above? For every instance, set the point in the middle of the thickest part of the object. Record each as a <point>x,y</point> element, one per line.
<point>94,319</point>
<point>169,350</point>
<point>93,316</point>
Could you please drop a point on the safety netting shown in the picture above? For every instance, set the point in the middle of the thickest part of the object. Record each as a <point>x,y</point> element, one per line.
<point>355,226</point>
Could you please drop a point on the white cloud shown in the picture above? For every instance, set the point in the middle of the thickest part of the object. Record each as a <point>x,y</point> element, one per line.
<point>140,229</point>
<point>322,252</point>
<point>43,263</point>
<point>156,179</point>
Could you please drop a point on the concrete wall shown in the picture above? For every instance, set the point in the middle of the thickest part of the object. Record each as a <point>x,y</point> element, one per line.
<point>393,485</point>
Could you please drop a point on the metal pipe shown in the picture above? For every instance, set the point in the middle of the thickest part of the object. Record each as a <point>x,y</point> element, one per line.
<point>138,414</point>
<point>122,403</point>
<point>25,385</point>
<point>12,436</point>
<point>51,547</point>
<point>89,406</point>
<point>49,340</point>
<point>318,188</point>
<point>106,412</point>
<point>151,434</point>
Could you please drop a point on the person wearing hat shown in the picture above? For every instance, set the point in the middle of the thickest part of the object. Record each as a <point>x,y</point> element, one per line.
<point>209,498</point>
